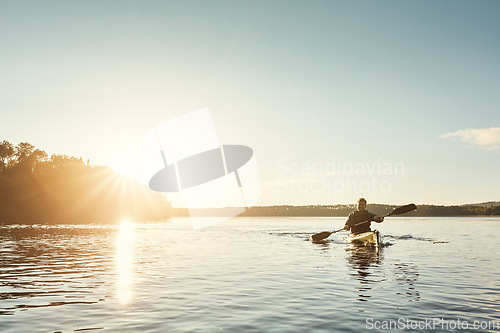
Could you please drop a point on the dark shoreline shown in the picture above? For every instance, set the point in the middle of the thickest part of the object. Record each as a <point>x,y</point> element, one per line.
<point>289,211</point>
<point>345,210</point>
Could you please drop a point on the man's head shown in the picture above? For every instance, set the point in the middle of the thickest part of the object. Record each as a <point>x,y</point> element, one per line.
<point>361,204</point>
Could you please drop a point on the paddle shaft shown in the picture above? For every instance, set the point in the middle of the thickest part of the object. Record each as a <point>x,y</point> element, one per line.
<point>360,223</point>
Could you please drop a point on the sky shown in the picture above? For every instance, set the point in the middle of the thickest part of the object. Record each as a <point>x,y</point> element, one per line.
<point>396,101</point>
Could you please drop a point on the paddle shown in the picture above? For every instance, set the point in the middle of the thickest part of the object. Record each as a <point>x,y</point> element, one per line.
<point>402,210</point>
<point>323,235</point>
<point>397,211</point>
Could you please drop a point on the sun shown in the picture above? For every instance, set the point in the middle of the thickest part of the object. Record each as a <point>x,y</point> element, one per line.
<point>130,168</point>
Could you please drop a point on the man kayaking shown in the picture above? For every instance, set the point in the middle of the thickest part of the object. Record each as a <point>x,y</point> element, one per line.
<point>361,215</point>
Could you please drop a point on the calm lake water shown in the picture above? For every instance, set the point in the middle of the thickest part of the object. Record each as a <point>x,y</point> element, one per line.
<point>250,275</point>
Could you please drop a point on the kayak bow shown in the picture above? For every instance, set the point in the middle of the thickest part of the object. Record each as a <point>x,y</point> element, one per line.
<point>369,238</point>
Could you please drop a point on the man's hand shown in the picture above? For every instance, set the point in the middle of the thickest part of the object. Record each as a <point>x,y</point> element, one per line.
<point>346,227</point>
<point>378,219</point>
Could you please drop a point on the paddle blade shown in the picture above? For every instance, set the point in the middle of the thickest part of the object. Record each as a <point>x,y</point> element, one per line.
<point>320,236</point>
<point>403,209</point>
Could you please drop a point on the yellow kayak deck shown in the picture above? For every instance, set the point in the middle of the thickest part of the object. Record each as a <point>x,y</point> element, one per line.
<point>369,238</point>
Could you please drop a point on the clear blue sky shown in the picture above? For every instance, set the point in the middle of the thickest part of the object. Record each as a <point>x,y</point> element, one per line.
<point>306,84</point>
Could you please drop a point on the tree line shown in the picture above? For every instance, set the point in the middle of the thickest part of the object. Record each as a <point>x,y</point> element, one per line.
<point>345,210</point>
<point>36,188</point>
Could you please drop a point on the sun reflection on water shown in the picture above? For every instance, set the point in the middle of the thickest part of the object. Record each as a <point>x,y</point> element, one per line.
<point>124,260</point>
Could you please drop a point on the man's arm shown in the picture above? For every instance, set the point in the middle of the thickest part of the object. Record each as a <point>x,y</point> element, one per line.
<point>375,218</point>
<point>347,225</point>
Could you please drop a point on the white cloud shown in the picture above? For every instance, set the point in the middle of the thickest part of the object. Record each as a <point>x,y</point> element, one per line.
<point>484,138</point>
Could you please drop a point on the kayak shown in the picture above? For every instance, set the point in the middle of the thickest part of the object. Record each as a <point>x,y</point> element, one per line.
<point>369,238</point>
